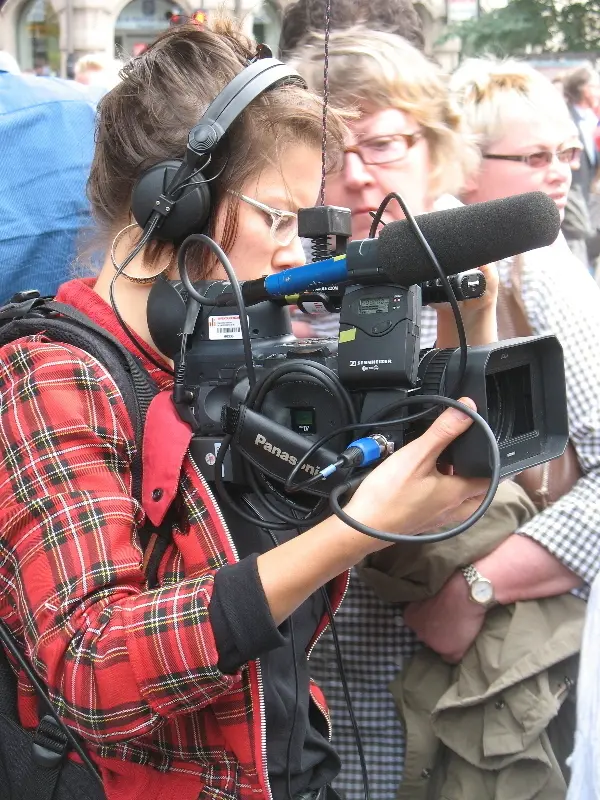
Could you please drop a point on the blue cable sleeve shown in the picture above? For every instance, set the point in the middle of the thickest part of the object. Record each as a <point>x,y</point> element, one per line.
<point>370,449</point>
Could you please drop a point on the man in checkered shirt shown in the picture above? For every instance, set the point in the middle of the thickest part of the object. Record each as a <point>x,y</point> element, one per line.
<point>558,550</point>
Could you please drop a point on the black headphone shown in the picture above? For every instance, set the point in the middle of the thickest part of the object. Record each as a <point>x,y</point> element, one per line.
<point>172,199</point>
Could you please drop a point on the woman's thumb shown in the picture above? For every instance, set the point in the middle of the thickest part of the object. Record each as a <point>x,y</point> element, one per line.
<point>447,427</point>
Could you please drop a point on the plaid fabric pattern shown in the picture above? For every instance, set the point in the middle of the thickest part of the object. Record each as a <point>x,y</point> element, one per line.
<point>562,299</point>
<point>133,671</point>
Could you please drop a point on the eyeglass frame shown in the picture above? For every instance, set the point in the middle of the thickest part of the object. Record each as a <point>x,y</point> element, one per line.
<point>526,159</point>
<point>276,216</point>
<point>411,140</point>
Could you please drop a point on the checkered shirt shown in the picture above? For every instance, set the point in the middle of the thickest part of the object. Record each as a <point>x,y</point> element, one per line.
<point>560,298</point>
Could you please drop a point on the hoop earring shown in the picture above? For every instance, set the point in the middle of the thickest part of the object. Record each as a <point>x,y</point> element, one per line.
<point>140,281</point>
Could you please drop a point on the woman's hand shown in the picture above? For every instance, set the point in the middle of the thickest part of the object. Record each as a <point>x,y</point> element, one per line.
<point>302,329</point>
<point>479,315</point>
<point>407,493</point>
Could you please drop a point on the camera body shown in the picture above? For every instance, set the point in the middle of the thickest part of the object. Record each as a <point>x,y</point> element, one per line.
<point>518,385</point>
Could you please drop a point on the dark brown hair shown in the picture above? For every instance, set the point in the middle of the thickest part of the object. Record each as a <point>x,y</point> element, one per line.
<point>163,94</point>
<point>304,17</point>
<point>575,81</point>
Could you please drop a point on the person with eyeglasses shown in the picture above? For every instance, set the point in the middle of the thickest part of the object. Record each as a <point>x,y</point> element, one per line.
<point>521,151</point>
<point>528,142</point>
<point>415,137</point>
<point>406,138</point>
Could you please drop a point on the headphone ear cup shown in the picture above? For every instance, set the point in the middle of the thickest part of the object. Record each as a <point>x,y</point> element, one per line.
<point>189,214</point>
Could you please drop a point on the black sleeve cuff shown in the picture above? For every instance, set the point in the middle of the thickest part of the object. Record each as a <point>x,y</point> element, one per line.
<point>240,616</point>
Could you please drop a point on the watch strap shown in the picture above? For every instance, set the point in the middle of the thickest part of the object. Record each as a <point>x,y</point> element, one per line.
<point>471,574</point>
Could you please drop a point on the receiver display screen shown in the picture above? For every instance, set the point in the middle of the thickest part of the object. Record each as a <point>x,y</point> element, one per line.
<point>374,305</point>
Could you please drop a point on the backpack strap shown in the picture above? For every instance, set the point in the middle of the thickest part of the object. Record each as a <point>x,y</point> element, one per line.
<point>75,328</point>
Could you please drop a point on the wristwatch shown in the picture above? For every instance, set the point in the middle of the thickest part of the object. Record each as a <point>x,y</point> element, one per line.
<point>481,590</point>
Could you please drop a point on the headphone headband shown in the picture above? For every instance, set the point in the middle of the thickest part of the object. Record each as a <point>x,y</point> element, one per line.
<point>235,98</point>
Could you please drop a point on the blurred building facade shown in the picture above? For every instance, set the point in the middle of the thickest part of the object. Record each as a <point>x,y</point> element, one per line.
<point>46,36</point>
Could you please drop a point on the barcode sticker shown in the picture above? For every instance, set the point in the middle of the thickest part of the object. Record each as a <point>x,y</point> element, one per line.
<point>224,327</point>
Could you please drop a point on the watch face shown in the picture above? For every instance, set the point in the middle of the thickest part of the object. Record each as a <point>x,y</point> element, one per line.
<point>482,591</point>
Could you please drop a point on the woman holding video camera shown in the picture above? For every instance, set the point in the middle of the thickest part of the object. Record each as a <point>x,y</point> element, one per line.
<point>185,690</point>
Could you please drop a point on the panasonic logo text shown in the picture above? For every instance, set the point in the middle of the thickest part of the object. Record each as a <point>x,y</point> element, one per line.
<point>261,441</point>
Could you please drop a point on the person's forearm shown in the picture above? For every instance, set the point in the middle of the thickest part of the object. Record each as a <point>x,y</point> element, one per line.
<point>292,572</point>
<point>521,569</point>
<point>480,329</point>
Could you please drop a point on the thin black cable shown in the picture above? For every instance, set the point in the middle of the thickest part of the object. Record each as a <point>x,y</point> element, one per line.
<point>11,645</point>
<point>325,102</point>
<point>429,538</point>
<point>295,714</point>
<point>235,285</point>
<point>308,517</point>
<point>144,239</point>
<point>379,222</point>
<point>460,328</point>
<point>374,420</point>
<point>269,486</point>
<point>355,482</point>
<point>377,215</point>
<point>347,697</point>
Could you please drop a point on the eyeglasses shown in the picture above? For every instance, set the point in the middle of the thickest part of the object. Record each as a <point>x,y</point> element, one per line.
<point>385,149</point>
<point>542,159</point>
<point>284,224</point>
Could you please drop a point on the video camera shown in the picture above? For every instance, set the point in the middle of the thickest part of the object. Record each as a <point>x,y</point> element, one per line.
<point>303,391</point>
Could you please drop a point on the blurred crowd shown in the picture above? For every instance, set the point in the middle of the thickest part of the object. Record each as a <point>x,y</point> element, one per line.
<point>492,129</point>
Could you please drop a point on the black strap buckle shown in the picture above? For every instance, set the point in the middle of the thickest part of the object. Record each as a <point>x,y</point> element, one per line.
<point>21,304</point>
<point>49,743</point>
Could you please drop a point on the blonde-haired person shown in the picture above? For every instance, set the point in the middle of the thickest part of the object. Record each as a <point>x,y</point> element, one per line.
<point>527,141</point>
<point>407,138</point>
<point>98,70</point>
<point>408,133</point>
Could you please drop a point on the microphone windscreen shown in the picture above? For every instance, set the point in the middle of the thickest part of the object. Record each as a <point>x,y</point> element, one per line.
<point>469,236</point>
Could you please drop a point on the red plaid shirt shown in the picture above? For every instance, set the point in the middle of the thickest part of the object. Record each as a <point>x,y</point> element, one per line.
<point>133,671</point>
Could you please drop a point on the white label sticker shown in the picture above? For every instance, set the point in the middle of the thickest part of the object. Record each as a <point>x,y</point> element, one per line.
<point>224,327</point>
<point>316,307</point>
